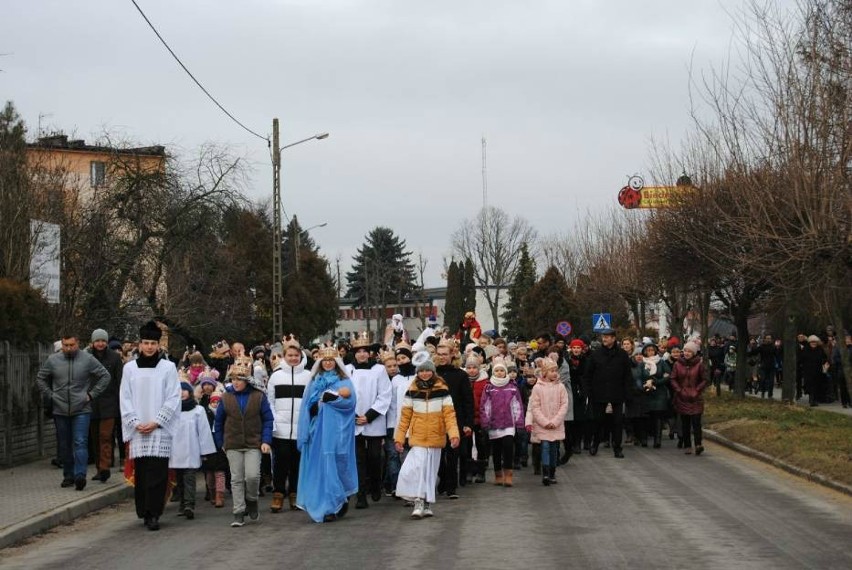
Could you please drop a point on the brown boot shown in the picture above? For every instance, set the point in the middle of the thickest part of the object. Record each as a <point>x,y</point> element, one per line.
<point>498,477</point>
<point>292,498</point>
<point>277,502</point>
<point>220,500</point>
<point>507,477</point>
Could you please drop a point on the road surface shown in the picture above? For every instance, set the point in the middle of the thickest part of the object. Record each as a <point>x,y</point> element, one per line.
<point>654,509</point>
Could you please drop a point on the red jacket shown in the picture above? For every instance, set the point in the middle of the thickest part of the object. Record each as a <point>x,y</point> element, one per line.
<point>478,389</point>
<point>688,380</point>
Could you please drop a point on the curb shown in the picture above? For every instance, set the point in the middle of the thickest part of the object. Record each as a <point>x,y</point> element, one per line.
<point>774,461</point>
<point>64,514</point>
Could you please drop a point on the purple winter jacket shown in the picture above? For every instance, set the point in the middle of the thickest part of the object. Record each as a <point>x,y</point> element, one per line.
<point>501,407</point>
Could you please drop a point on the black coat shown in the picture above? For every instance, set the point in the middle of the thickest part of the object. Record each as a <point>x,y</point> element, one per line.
<point>608,377</point>
<point>461,392</point>
<point>578,386</point>
<point>106,405</point>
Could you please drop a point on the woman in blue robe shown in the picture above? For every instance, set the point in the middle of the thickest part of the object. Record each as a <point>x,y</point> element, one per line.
<point>328,474</point>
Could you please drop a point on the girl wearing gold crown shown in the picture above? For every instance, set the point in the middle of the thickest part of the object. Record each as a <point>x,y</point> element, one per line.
<point>328,475</point>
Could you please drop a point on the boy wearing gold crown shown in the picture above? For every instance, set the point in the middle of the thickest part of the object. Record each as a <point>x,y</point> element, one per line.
<point>373,391</point>
<point>243,428</point>
<point>285,390</point>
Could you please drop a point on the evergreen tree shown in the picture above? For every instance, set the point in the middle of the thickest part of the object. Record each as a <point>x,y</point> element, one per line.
<point>454,306</point>
<point>309,306</point>
<point>468,287</point>
<point>523,282</point>
<point>546,303</point>
<point>382,273</point>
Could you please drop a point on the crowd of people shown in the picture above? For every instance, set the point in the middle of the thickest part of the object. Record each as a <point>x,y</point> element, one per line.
<point>318,425</point>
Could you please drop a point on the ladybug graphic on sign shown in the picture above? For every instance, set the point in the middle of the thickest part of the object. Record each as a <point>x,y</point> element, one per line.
<point>631,195</point>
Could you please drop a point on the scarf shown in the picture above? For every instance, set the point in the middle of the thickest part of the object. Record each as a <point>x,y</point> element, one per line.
<point>651,364</point>
<point>425,385</point>
<point>500,382</point>
<point>188,404</point>
<point>143,361</point>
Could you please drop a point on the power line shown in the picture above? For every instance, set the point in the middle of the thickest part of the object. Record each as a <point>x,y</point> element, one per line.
<point>188,72</point>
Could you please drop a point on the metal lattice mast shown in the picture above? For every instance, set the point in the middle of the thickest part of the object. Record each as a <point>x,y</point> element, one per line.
<point>277,316</point>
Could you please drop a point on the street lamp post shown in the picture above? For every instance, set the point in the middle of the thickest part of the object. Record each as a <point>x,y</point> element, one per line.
<point>298,242</point>
<point>277,274</point>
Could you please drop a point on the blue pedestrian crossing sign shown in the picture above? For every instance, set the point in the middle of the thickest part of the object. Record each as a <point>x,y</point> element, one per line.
<point>601,322</point>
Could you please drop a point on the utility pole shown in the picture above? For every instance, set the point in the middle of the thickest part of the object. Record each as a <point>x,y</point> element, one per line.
<point>277,309</point>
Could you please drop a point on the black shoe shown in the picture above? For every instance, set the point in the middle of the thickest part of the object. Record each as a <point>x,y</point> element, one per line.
<point>545,481</point>
<point>564,459</point>
<point>479,478</point>
<point>657,444</point>
<point>452,495</point>
<point>103,476</point>
<point>593,450</point>
<point>251,510</point>
<point>699,449</point>
<point>343,510</point>
<point>618,454</point>
<point>376,496</point>
<point>67,483</point>
<point>80,483</point>
<point>189,513</point>
<point>56,463</point>
<point>644,443</point>
<point>361,503</point>
<point>153,523</point>
<point>524,462</point>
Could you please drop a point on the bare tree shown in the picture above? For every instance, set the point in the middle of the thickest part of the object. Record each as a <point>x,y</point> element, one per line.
<point>492,241</point>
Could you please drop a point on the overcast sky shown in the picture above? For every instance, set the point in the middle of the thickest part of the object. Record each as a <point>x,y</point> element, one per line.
<point>567,93</point>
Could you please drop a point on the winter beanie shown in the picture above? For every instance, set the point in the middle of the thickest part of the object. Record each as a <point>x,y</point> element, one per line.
<point>99,334</point>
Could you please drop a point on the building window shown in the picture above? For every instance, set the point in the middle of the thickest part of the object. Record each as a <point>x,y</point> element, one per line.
<point>97,173</point>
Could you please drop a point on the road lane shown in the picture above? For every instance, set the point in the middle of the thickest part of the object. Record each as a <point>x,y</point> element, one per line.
<point>654,509</point>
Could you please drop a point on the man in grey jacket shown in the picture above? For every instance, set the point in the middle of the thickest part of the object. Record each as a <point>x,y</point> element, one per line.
<point>72,379</point>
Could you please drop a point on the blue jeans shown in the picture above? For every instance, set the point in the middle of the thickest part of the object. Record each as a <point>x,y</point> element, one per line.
<point>394,464</point>
<point>549,453</point>
<point>72,434</point>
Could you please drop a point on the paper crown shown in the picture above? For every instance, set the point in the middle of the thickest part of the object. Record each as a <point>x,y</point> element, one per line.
<point>447,342</point>
<point>361,341</point>
<point>327,352</point>
<point>241,368</point>
<point>470,315</point>
<point>385,355</point>
<point>290,341</point>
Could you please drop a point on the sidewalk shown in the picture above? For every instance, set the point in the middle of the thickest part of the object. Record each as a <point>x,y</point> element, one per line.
<point>835,407</point>
<point>33,501</point>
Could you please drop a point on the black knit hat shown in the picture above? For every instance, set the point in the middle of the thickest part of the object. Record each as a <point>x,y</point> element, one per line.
<point>150,331</point>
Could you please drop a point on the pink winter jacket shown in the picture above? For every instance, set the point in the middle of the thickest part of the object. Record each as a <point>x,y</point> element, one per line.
<point>549,404</point>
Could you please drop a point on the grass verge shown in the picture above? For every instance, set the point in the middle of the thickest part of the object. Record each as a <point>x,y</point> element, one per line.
<point>808,438</point>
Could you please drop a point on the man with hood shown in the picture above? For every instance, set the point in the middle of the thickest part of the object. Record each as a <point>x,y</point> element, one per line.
<point>72,379</point>
<point>469,331</point>
<point>150,405</point>
<point>285,390</point>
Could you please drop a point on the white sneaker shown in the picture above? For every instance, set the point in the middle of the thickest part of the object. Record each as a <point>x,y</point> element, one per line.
<point>427,510</point>
<point>417,513</point>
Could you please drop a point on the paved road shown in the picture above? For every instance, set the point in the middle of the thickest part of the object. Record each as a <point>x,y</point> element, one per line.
<point>654,509</point>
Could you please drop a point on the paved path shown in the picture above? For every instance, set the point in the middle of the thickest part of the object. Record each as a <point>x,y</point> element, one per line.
<point>33,501</point>
<point>835,406</point>
<point>655,509</point>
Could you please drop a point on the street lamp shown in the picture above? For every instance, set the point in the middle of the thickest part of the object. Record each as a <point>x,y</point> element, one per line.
<point>298,242</point>
<point>277,313</point>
